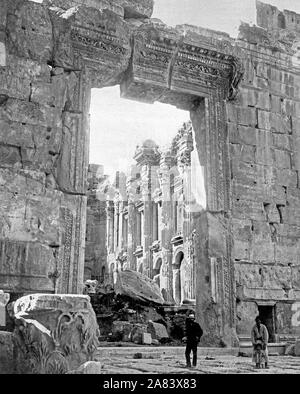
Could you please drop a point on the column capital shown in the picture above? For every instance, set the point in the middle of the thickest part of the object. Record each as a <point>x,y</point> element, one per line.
<point>147,153</point>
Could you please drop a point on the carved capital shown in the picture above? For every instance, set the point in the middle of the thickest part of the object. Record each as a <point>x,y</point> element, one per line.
<point>54,334</point>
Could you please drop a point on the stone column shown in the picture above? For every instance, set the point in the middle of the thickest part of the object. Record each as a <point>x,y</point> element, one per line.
<point>184,149</point>
<point>110,226</point>
<point>131,237</point>
<point>116,221</point>
<point>147,157</point>
<point>214,240</point>
<point>166,164</point>
<point>121,207</point>
<point>146,218</point>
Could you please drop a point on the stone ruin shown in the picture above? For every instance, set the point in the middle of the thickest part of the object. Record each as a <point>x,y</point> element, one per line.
<point>134,310</point>
<point>243,98</point>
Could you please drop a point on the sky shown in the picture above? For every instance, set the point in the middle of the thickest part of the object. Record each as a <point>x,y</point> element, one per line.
<point>118,125</point>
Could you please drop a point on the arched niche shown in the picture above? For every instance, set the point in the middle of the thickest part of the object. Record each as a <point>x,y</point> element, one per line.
<point>157,270</point>
<point>157,266</point>
<point>281,21</point>
<point>87,273</point>
<point>177,276</point>
<point>111,272</point>
<point>140,268</point>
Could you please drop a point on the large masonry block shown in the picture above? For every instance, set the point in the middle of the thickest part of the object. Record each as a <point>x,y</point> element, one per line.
<point>54,333</point>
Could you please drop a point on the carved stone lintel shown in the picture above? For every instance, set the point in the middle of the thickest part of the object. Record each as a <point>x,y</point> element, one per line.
<point>175,68</point>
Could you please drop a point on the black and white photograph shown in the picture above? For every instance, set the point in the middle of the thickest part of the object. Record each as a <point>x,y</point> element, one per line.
<point>149,190</point>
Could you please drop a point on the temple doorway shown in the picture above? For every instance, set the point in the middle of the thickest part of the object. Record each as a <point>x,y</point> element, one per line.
<point>267,315</point>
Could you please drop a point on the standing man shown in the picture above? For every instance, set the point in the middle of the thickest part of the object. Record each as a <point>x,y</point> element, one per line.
<point>193,333</point>
<point>260,337</point>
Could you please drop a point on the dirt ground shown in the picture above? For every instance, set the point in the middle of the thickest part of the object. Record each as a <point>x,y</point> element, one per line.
<point>219,364</point>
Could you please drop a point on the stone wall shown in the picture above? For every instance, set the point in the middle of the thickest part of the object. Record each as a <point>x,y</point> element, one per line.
<point>272,18</point>
<point>95,258</point>
<point>264,136</point>
<point>51,54</point>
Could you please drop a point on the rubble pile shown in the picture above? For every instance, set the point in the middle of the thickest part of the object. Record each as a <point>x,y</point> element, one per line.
<point>133,311</point>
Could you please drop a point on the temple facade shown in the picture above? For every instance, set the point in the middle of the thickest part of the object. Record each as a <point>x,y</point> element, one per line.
<point>95,259</point>
<point>150,218</point>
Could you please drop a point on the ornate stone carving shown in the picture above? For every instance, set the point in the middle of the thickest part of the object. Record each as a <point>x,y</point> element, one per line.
<point>102,39</point>
<point>54,333</point>
<point>71,254</point>
<point>179,64</point>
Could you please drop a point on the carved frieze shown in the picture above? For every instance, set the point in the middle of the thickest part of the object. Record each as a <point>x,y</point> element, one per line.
<point>71,254</point>
<point>102,41</point>
<point>170,62</point>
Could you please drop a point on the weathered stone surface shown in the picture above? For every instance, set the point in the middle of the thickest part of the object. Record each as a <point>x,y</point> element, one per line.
<point>249,147</point>
<point>249,275</point>
<point>19,73</point>
<point>4,298</point>
<point>69,5</point>
<point>29,31</point>
<point>108,39</point>
<point>157,330</point>
<point>138,286</point>
<point>122,330</point>
<point>37,261</point>
<point>30,113</point>
<point>70,275</point>
<point>244,116</point>
<point>56,93</point>
<point>147,338</point>
<point>90,368</point>
<point>25,215</point>
<point>6,353</point>
<point>129,8</point>
<point>246,314</point>
<point>297,349</point>
<point>61,331</point>
<point>137,333</point>
<point>290,350</point>
<point>136,8</point>
<point>96,264</point>
<point>4,7</point>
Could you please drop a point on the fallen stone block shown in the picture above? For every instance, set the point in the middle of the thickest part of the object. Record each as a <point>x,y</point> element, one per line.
<point>137,333</point>
<point>54,333</point>
<point>290,350</point>
<point>122,330</point>
<point>297,348</point>
<point>158,331</point>
<point>147,339</point>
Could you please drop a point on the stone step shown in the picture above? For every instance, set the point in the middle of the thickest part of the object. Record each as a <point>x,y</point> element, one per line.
<point>273,348</point>
<point>157,351</point>
<point>244,338</point>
